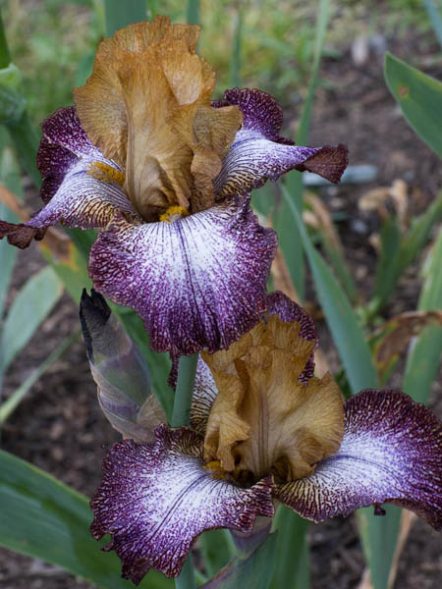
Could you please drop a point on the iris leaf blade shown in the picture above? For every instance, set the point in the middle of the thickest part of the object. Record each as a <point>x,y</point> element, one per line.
<point>44,518</point>
<point>419,97</point>
<point>254,571</point>
<point>30,307</point>
<point>424,357</point>
<point>341,319</point>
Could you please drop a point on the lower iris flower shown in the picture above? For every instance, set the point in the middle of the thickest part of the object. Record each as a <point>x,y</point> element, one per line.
<point>165,173</point>
<point>264,429</point>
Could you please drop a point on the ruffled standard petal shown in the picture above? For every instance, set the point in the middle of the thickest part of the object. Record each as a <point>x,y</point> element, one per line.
<point>288,311</point>
<point>155,499</point>
<point>259,153</point>
<point>391,453</point>
<point>198,282</point>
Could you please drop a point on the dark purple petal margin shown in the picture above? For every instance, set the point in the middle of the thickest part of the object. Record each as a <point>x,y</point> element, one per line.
<point>259,153</point>
<point>62,145</point>
<point>198,283</point>
<point>288,311</point>
<point>155,499</point>
<point>391,453</point>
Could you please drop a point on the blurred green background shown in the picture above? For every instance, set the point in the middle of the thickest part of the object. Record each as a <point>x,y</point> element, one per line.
<point>53,41</point>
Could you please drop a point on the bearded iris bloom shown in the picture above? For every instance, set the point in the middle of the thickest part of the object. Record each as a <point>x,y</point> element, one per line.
<point>264,429</point>
<point>164,172</point>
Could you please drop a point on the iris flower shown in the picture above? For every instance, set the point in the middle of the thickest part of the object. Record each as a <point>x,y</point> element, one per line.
<point>264,429</point>
<point>165,172</point>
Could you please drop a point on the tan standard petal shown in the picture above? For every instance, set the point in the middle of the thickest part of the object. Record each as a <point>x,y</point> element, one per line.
<point>147,105</point>
<point>264,418</point>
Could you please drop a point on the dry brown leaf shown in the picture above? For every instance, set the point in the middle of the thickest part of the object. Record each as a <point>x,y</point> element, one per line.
<point>399,195</point>
<point>11,201</point>
<point>397,333</point>
<point>325,221</point>
<point>379,198</point>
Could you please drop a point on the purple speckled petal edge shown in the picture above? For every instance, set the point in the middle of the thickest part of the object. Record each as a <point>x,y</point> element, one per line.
<point>259,153</point>
<point>198,283</point>
<point>261,112</point>
<point>391,453</point>
<point>155,499</point>
<point>62,145</point>
<point>287,310</point>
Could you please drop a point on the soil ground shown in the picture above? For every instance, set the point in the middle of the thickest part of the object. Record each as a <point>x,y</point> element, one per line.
<point>59,426</point>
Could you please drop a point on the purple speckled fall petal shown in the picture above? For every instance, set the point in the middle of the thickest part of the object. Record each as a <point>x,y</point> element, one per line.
<point>155,499</point>
<point>83,201</point>
<point>391,453</point>
<point>63,144</point>
<point>76,192</point>
<point>259,153</point>
<point>198,283</point>
<point>287,310</point>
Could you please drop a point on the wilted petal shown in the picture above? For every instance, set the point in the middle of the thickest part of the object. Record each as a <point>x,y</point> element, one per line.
<point>119,370</point>
<point>198,282</point>
<point>155,499</point>
<point>258,153</point>
<point>391,452</point>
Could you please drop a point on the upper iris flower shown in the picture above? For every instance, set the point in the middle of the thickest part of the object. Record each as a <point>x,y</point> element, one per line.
<point>263,429</point>
<point>164,172</point>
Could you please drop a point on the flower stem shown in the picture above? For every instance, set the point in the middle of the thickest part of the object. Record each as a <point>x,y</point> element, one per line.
<point>180,417</point>
<point>184,390</point>
<point>186,579</point>
<point>5,57</point>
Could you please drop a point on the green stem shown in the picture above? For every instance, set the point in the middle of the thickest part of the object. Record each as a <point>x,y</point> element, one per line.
<point>180,417</point>
<point>193,12</point>
<point>184,390</point>
<point>119,14</point>
<point>186,579</point>
<point>5,56</point>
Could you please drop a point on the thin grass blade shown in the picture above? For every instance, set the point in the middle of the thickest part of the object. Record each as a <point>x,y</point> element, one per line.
<point>289,238</point>
<point>341,319</point>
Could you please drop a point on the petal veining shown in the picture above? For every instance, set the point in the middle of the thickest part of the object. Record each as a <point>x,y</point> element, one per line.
<point>390,453</point>
<point>155,499</point>
<point>258,153</point>
<point>147,105</point>
<point>198,282</point>
<point>265,418</point>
